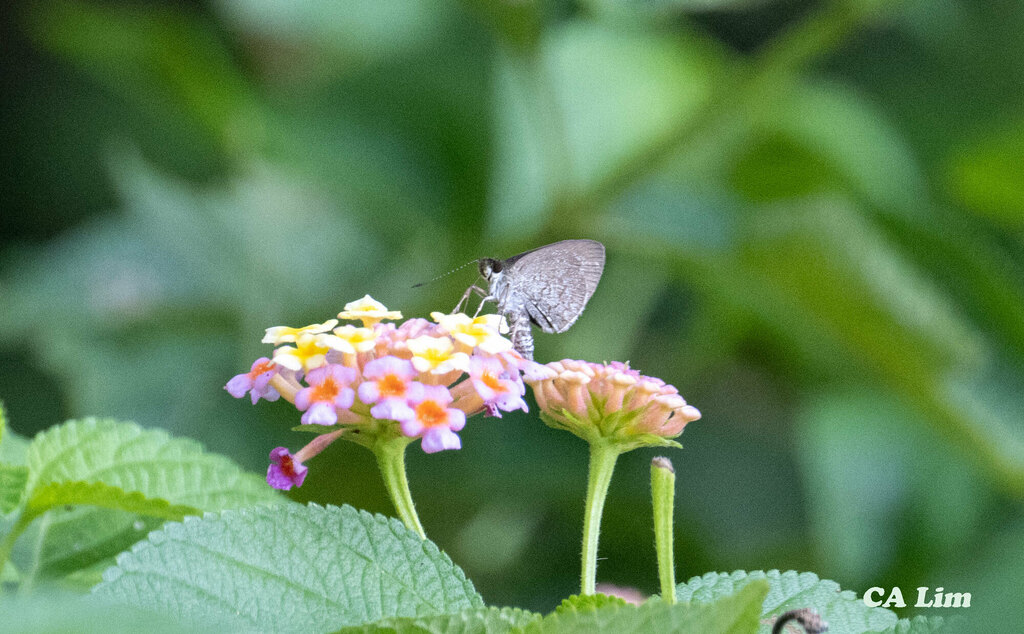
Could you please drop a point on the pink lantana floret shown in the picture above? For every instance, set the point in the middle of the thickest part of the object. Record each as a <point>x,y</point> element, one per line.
<point>256,382</point>
<point>328,390</point>
<point>285,471</point>
<point>432,420</point>
<point>388,383</point>
<point>496,386</point>
<point>386,378</point>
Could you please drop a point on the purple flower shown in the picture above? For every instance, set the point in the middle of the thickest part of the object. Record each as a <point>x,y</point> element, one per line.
<point>328,390</point>
<point>256,382</point>
<point>285,471</point>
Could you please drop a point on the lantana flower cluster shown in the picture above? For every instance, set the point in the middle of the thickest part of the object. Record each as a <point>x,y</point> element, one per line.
<point>419,379</point>
<point>609,401</point>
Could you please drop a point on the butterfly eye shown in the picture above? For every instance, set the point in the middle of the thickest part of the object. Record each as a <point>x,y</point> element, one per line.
<point>489,266</point>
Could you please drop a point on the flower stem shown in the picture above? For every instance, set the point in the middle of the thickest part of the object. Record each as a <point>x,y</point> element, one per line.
<point>663,489</point>
<point>602,463</point>
<point>390,452</point>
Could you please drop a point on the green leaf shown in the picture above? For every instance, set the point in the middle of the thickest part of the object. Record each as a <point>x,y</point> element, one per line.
<point>12,445</point>
<point>356,31</point>
<point>12,486</point>
<point>58,612</point>
<point>588,602</point>
<point>737,614</point>
<point>844,611</point>
<point>486,621</point>
<point>866,153</point>
<point>289,568</point>
<point>165,282</point>
<point>589,100</point>
<point>920,625</point>
<point>667,10</point>
<point>856,522</point>
<point>9,574</point>
<point>988,177</point>
<point>105,496</point>
<point>125,477</point>
<point>520,23</point>
<point>14,448</point>
<point>131,51</point>
<point>150,462</point>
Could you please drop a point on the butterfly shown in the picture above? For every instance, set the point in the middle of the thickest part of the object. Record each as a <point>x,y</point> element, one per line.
<point>548,286</point>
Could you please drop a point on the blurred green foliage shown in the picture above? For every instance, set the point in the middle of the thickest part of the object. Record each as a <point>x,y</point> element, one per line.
<point>813,212</point>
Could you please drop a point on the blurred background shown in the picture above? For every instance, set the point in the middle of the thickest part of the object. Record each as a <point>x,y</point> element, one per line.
<point>813,211</point>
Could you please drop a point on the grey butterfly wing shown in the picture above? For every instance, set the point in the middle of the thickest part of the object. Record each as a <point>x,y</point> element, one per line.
<point>556,281</point>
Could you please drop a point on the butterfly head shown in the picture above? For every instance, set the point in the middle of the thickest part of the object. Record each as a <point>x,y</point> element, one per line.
<point>489,268</point>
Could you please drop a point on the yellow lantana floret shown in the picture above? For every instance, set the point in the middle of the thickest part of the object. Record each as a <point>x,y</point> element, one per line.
<point>350,339</point>
<point>286,334</point>
<point>369,311</point>
<point>476,332</point>
<point>309,353</point>
<point>436,355</point>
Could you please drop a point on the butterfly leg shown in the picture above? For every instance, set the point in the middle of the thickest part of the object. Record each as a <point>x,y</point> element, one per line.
<point>483,300</point>
<point>465,297</point>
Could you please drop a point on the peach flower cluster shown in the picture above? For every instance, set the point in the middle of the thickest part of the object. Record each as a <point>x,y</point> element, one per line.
<point>612,401</point>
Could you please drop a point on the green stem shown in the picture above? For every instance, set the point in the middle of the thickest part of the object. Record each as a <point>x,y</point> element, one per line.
<point>390,452</point>
<point>603,455</point>
<point>663,489</point>
<point>24,520</point>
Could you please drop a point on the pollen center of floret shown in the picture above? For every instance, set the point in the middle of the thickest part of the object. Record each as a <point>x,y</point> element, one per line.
<point>261,367</point>
<point>492,382</point>
<point>391,386</point>
<point>287,466</point>
<point>325,391</point>
<point>431,414</point>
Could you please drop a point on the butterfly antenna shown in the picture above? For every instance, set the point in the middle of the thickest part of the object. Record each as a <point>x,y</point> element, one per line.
<point>445,274</point>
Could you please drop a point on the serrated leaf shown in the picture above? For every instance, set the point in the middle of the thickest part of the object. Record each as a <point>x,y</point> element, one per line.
<point>131,469</point>
<point>12,445</point>
<point>12,485</point>
<point>74,538</point>
<point>736,614</point>
<point>126,456</point>
<point>919,625</point>
<point>14,448</point>
<point>580,602</point>
<point>286,569</point>
<point>486,621</point>
<point>844,611</point>
<point>105,496</point>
